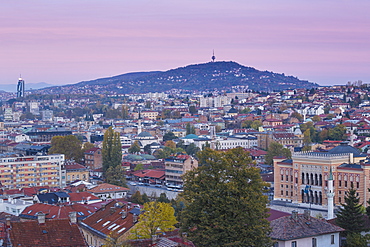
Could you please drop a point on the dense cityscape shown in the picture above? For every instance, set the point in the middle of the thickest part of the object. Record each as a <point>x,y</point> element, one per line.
<point>96,170</point>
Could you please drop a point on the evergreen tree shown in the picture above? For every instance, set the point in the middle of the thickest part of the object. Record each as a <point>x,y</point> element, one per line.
<point>114,175</point>
<point>225,205</point>
<point>350,215</point>
<point>163,198</point>
<point>137,198</point>
<point>112,149</point>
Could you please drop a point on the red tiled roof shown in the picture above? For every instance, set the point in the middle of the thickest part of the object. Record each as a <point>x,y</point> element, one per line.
<point>82,196</point>
<point>102,188</point>
<point>73,166</point>
<point>58,232</point>
<point>109,218</point>
<point>54,211</point>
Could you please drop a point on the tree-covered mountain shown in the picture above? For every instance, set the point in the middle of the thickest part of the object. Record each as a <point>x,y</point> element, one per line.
<point>198,77</point>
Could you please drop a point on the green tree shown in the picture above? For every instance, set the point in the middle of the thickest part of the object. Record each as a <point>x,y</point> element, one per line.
<point>169,136</point>
<point>134,148</point>
<point>112,149</point>
<point>163,198</point>
<point>69,145</point>
<point>225,205</point>
<point>276,149</point>
<point>355,239</point>
<point>192,149</point>
<point>190,129</point>
<point>192,110</point>
<point>145,198</point>
<point>316,118</point>
<point>297,115</point>
<point>350,215</point>
<point>137,198</point>
<point>124,112</point>
<point>337,133</point>
<point>307,137</point>
<point>114,175</point>
<point>138,167</point>
<point>256,124</point>
<point>157,216</point>
<point>148,149</point>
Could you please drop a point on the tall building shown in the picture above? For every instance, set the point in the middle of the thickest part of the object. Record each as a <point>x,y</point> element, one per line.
<point>177,166</point>
<point>25,171</point>
<point>20,88</point>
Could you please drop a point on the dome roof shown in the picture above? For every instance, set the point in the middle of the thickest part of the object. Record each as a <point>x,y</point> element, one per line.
<point>145,134</point>
<point>344,148</point>
<point>233,110</point>
<point>191,136</point>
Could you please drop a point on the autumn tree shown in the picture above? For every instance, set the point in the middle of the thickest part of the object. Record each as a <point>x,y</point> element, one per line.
<point>225,205</point>
<point>157,216</point>
<point>276,149</point>
<point>69,145</point>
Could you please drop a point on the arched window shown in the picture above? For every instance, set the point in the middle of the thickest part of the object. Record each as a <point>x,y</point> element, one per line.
<point>320,179</point>
<point>316,180</point>
<point>312,181</point>
<point>303,182</point>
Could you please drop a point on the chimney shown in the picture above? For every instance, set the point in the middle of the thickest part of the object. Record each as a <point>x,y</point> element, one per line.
<point>295,215</point>
<point>307,214</point>
<point>124,214</point>
<point>134,218</point>
<point>73,217</point>
<point>112,210</point>
<point>7,221</point>
<point>41,217</point>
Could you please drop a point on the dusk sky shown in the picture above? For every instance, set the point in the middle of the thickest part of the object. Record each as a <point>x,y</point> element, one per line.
<point>64,42</point>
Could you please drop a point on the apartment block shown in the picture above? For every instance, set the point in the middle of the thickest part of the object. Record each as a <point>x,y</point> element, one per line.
<point>177,166</point>
<point>26,171</point>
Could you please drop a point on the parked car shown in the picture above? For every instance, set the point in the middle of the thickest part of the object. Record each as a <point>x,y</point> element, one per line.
<point>132,183</point>
<point>140,183</point>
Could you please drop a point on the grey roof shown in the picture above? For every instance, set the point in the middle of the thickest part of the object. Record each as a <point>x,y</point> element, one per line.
<point>145,134</point>
<point>345,148</point>
<point>287,228</point>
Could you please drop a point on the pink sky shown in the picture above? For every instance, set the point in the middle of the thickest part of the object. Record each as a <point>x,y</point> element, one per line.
<point>63,42</point>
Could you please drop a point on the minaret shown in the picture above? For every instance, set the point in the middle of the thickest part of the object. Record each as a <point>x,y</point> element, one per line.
<point>213,56</point>
<point>139,127</point>
<point>351,137</point>
<point>330,195</point>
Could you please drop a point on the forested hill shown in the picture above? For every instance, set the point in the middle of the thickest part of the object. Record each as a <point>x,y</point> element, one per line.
<point>198,77</point>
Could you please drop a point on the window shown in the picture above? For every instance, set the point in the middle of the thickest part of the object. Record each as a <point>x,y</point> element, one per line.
<point>345,184</point>
<point>294,244</point>
<point>314,242</point>
<point>332,239</point>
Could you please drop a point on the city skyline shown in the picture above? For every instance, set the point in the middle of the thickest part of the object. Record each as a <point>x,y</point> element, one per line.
<point>71,41</point>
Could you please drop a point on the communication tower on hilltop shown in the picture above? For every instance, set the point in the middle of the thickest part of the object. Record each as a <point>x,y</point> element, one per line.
<point>20,88</point>
<point>213,56</point>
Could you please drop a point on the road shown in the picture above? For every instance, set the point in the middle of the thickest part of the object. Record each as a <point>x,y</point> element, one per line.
<point>153,191</point>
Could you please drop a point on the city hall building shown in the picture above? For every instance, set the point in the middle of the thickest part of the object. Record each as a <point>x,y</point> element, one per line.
<point>304,177</point>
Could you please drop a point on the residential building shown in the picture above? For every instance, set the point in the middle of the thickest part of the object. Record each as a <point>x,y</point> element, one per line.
<point>303,230</point>
<point>93,158</point>
<point>109,191</point>
<point>13,206</point>
<point>18,172</point>
<point>75,171</point>
<point>178,165</point>
<point>43,232</point>
<point>114,216</point>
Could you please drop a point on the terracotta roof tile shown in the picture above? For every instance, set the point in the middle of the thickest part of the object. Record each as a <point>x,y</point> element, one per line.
<point>59,232</point>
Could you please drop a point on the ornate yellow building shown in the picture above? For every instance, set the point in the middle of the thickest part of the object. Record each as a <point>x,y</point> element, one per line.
<point>304,178</point>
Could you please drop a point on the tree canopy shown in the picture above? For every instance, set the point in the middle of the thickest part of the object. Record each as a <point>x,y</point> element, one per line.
<point>157,216</point>
<point>225,205</point>
<point>276,149</point>
<point>70,146</point>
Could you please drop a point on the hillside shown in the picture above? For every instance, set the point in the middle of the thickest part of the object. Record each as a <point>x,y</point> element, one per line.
<point>198,77</point>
